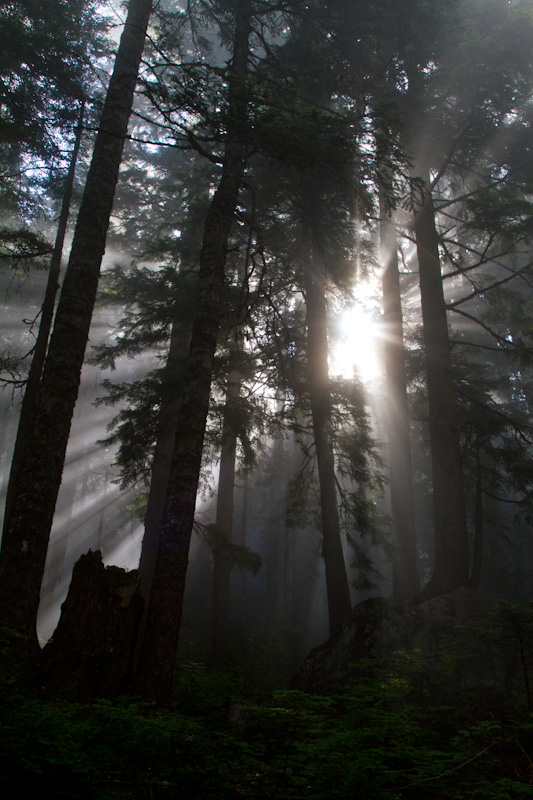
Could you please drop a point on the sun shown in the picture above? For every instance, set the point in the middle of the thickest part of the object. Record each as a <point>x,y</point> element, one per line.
<point>356,350</point>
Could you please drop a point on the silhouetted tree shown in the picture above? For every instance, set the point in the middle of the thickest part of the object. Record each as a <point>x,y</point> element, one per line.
<point>25,540</point>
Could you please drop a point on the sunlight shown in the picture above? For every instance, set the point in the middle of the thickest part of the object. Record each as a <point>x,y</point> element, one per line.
<point>356,349</point>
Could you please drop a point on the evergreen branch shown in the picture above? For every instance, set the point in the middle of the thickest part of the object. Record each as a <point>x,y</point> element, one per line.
<point>454,342</point>
<point>506,343</point>
<point>440,205</point>
<point>483,256</point>
<point>505,499</point>
<point>480,290</point>
<point>449,156</point>
<point>448,771</point>
<point>517,427</point>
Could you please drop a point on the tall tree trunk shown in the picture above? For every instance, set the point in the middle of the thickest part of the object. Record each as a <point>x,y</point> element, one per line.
<point>303,572</point>
<point>224,516</point>
<point>405,582</point>
<point>273,529</point>
<point>60,534</point>
<point>25,542</point>
<point>337,587</point>
<point>174,378</point>
<point>180,341</point>
<point>477,554</point>
<point>158,650</point>
<point>451,538</point>
<point>27,409</point>
<point>241,540</point>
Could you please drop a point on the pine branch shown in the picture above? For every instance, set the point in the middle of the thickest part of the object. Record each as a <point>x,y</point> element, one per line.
<point>506,343</point>
<point>448,771</point>
<point>483,290</point>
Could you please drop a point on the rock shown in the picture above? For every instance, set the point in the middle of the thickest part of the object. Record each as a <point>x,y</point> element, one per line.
<point>379,627</point>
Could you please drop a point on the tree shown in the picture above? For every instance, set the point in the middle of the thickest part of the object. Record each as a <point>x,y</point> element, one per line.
<point>223,530</point>
<point>405,582</point>
<point>339,603</point>
<point>451,568</point>
<point>158,650</point>
<point>33,379</point>
<point>26,538</point>
<point>455,131</point>
<point>43,68</point>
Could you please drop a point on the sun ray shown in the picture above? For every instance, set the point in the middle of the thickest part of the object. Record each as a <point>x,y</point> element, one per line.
<point>357,348</point>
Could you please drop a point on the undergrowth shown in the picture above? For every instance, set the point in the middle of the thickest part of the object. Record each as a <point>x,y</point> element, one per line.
<point>401,729</point>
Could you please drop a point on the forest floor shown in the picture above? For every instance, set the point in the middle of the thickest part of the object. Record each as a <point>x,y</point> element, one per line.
<point>404,728</point>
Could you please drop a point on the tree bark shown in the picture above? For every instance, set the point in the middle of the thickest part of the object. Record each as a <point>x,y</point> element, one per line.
<point>25,543</point>
<point>337,587</point>
<point>450,529</point>
<point>90,654</point>
<point>27,409</point>
<point>405,582</point>
<point>158,650</point>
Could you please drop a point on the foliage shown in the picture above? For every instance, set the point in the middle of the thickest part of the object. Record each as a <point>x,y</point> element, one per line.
<point>402,728</point>
<point>20,248</point>
<point>45,50</point>
<point>509,627</point>
<point>237,556</point>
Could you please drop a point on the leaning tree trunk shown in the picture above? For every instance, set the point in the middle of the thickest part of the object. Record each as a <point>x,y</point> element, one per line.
<point>159,646</point>
<point>337,587</point>
<point>451,538</point>
<point>27,408</point>
<point>405,583</point>
<point>25,542</point>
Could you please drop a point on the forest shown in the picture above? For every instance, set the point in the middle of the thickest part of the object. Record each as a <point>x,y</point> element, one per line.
<point>266,362</point>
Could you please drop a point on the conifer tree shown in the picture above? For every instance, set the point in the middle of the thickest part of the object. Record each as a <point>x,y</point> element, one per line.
<point>46,316</point>
<point>159,645</point>
<point>405,580</point>
<point>25,540</point>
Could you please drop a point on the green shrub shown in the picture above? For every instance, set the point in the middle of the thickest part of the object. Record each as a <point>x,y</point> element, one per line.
<point>402,729</point>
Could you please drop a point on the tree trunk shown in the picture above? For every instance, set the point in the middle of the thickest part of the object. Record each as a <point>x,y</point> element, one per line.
<point>405,582</point>
<point>158,649</point>
<point>174,378</point>
<point>241,540</point>
<point>224,516</point>
<point>180,341</point>
<point>273,530</point>
<point>477,554</point>
<point>25,541</point>
<point>303,574</point>
<point>90,654</point>
<point>60,535</point>
<point>27,409</point>
<point>337,587</point>
<point>451,539</point>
